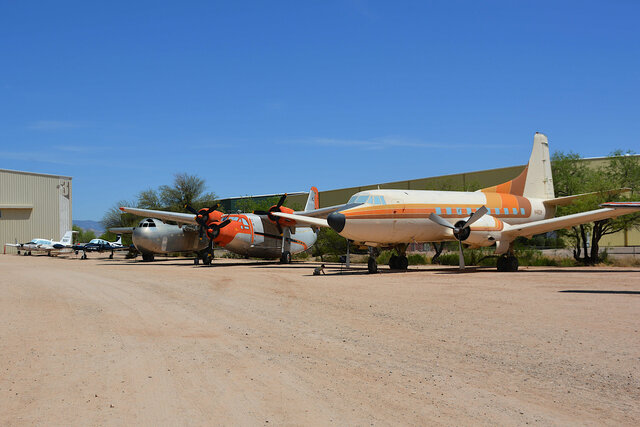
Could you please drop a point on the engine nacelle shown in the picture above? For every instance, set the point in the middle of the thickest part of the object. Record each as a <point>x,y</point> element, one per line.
<point>484,232</point>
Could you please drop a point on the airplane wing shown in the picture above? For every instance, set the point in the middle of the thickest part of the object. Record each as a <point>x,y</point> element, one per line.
<point>121,230</point>
<point>13,245</point>
<point>303,219</point>
<point>324,212</point>
<point>184,218</point>
<point>609,210</point>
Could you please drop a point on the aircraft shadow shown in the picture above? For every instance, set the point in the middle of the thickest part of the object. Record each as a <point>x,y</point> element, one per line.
<point>591,291</point>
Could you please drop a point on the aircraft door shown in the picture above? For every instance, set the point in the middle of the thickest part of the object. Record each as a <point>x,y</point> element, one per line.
<point>258,230</point>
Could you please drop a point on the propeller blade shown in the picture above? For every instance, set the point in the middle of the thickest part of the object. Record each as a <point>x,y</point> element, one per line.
<point>439,220</point>
<point>282,199</point>
<point>476,216</point>
<point>461,255</point>
<point>213,208</point>
<point>261,212</point>
<point>191,209</point>
<point>224,223</point>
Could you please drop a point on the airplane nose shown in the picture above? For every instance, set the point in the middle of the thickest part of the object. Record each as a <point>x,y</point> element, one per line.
<point>336,221</point>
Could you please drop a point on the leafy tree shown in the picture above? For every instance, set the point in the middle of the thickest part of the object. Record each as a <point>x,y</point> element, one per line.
<point>149,199</point>
<point>573,177</point>
<point>186,190</point>
<point>83,236</point>
<point>114,217</point>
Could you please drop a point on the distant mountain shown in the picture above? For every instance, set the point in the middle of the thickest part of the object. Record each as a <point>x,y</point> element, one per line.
<point>96,226</point>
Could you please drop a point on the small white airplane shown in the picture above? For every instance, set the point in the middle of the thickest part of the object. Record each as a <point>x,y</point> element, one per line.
<point>524,206</point>
<point>51,247</point>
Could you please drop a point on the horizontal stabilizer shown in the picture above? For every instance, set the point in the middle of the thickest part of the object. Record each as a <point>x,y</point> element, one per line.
<point>122,230</point>
<point>567,200</point>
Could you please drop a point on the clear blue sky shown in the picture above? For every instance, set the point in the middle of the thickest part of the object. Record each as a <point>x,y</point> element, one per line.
<point>272,96</point>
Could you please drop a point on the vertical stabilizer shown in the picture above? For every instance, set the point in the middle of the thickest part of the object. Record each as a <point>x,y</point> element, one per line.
<point>535,181</point>
<point>66,239</point>
<point>118,239</point>
<point>313,201</point>
<point>539,182</point>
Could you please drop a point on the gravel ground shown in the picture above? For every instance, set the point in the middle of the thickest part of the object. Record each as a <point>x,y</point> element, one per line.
<point>119,342</point>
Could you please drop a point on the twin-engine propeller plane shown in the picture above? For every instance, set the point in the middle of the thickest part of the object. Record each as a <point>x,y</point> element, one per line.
<point>100,245</point>
<point>51,247</point>
<point>524,206</point>
<point>260,234</point>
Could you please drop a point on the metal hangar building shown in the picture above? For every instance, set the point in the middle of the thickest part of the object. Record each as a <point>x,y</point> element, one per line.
<point>33,205</point>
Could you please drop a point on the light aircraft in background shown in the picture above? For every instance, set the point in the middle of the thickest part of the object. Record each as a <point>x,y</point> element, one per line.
<point>100,245</point>
<point>260,234</point>
<point>51,247</point>
<point>524,206</point>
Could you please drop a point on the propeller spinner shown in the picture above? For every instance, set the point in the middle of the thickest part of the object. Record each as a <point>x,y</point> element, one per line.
<point>461,229</point>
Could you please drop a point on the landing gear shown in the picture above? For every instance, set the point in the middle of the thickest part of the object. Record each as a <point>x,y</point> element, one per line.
<point>285,258</point>
<point>84,255</point>
<point>147,257</point>
<point>372,265</point>
<point>398,262</point>
<point>507,263</point>
<point>111,256</point>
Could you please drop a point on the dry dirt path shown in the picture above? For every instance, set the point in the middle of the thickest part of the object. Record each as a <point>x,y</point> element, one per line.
<point>115,342</point>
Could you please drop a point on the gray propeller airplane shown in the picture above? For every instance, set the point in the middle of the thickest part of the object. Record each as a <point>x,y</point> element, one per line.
<point>260,234</point>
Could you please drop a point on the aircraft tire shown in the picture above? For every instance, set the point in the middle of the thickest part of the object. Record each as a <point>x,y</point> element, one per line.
<point>393,262</point>
<point>111,256</point>
<point>196,261</point>
<point>507,263</point>
<point>206,259</point>
<point>285,258</point>
<point>372,265</point>
<point>147,257</point>
<point>402,263</point>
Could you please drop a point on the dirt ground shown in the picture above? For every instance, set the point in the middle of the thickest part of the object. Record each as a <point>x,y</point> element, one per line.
<point>119,342</point>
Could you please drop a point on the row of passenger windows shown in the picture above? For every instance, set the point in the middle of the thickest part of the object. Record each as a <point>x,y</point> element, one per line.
<point>469,211</point>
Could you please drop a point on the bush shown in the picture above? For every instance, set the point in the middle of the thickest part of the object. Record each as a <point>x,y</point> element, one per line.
<point>418,259</point>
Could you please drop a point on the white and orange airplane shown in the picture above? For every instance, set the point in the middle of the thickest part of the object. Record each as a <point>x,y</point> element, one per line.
<point>524,206</point>
<point>259,234</point>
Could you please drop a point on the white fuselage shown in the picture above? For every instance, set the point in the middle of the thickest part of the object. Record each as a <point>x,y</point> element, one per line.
<point>387,217</point>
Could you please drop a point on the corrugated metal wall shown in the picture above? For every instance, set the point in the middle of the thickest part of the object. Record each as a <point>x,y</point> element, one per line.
<point>50,198</point>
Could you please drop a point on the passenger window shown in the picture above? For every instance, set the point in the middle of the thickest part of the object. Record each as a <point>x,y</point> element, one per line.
<point>438,211</point>
<point>515,211</point>
<point>497,211</point>
<point>521,211</point>
<point>459,211</point>
<point>506,211</point>
<point>448,211</point>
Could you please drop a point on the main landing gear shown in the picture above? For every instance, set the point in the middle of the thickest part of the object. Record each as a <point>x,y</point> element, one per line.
<point>206,257</point>
<point>507,262</point>
<point>372,263</point>
<point>147,257</point>
<point>285,258</point>
<point>398,262</point>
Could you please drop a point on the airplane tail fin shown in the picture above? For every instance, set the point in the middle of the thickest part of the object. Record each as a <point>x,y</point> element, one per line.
<point>313,202</point>
<point>535,181</point>
<point>118,239</point>
<point>66,239</point>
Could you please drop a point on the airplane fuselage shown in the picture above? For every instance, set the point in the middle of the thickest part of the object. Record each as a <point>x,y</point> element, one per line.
<point>387,217</point>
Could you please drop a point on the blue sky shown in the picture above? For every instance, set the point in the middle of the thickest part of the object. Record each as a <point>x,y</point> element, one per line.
<point>273,96</point>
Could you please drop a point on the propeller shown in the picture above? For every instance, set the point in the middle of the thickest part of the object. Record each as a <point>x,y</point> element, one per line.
<point>202,216</point>
<point>275,208</point>
<point>460,229</point>
<point>213,231</point>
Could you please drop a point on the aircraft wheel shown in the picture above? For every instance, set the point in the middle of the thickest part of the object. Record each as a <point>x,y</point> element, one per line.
<point>393,262</point>
<point>111,256</point>
<point>196,261</point>
<point>402,263</point>
<point>372,265</point>
<point>507,263</point>
<point>18,252</point>
<point>147,257</point>
<point>285,258</point>
<point>206,259</point>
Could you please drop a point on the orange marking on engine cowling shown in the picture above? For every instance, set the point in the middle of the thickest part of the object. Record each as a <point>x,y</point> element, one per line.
<point>228,233</point>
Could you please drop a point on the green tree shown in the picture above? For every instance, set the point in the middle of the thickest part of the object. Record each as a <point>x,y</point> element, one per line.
<point>573,177</point>
<point>186,190</point>
<point>114,217</point>
<point>83,236</point>
<point>149,199</point>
